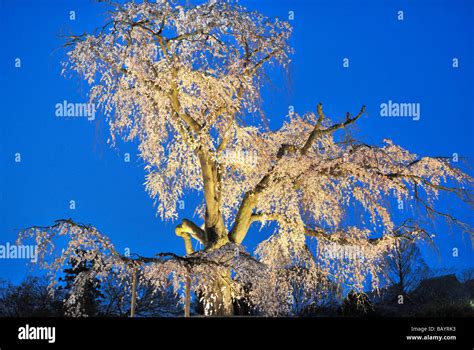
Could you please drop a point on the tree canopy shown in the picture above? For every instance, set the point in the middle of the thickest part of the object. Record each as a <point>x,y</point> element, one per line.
<point>184,81</point>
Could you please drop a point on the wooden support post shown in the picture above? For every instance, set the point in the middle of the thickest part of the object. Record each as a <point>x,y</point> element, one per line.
<point>187,297</point>
<point>134,293</point>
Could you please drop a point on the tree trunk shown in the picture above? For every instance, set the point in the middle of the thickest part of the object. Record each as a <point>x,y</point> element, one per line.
<point>217,301</point>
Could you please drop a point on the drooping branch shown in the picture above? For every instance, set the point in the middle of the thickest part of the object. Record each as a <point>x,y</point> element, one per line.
<point>86,237</point>
<point>404,231</point>
<point>407,230</point>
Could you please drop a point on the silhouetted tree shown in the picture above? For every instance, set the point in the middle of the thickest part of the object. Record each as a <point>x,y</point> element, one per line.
<point>356,304</point>
<point>406,266</point>
<point>88,299</point>
<point>31,298</point>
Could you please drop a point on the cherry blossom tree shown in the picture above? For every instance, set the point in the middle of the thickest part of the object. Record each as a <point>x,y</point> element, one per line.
<point>184,81</point>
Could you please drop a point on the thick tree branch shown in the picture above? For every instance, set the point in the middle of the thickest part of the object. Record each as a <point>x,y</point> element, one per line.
<point>187,226</point>
<point>318,132</point>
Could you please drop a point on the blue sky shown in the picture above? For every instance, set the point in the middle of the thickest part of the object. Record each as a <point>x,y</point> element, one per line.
<point>69,159</point>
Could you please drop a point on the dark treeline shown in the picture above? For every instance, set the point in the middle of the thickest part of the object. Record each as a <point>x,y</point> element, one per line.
<point>36,297</point>
<point>440,296</point>
<point>33,298</point>
<point>412,290</point>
